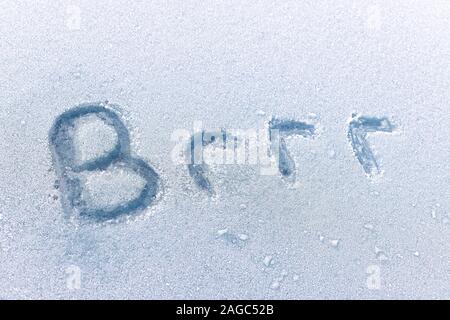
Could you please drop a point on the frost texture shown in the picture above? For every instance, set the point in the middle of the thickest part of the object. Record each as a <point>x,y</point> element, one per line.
<point>230,65</point>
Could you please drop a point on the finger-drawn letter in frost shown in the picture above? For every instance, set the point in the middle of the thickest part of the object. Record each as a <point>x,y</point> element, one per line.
<point>358,129</point>
<point>99,178</point>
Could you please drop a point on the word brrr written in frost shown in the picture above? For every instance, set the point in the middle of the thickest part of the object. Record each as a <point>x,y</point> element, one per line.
<point>100,179</point>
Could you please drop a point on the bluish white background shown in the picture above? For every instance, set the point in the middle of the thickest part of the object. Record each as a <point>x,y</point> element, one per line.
<point>170,63</point>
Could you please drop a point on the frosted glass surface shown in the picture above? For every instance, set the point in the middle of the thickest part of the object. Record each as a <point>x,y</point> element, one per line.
<point>358,208</point>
